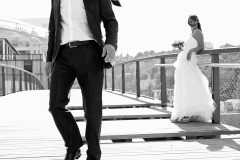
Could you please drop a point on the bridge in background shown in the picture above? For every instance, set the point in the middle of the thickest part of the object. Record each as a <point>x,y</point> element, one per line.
<point>135,125</point>
<point>20,26</point>
<point>24,46</point>
<point>26,38</point>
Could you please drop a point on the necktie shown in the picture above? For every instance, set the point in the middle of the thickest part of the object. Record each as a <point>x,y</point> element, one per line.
<point>116,3</point>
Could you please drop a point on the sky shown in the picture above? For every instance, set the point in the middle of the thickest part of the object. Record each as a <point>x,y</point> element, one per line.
<point>146,25</point>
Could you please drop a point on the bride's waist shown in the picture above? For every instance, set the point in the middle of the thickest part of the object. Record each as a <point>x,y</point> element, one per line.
<point>183,54</point>
<point>184,57</point>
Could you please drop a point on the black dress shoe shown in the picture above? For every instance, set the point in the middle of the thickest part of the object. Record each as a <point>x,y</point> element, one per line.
<point>73,156</point>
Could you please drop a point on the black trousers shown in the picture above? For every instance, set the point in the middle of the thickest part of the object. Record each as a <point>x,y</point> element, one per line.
<point>84,63</point>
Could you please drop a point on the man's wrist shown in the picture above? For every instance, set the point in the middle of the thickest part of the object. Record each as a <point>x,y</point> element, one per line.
<point>110,45</point>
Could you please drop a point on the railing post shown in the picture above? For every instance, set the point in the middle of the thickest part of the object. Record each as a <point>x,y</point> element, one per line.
<point>163,84</point>
<point>105,75</point>
<point>138,78</point>
<point>49,83</point>
<point>113,79</point>
<point>25,78</point>
<point>14,86</point>
<point>4,50</point>
<point>30,82</point>
<point>123,78</point>
<point>3,82</point>
<point>216,90</point>
<point>33,83</point>
<point>40,86</point>
<point>37,84</point>
<point>20,80</point>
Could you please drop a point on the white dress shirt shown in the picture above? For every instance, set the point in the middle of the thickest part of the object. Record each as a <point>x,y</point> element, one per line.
<point>74,22</point>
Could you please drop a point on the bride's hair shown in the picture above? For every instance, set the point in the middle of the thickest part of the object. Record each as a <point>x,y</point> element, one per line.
<point>195,18</point>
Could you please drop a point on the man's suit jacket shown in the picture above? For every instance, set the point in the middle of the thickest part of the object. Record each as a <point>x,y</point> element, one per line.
<point>97,11</point>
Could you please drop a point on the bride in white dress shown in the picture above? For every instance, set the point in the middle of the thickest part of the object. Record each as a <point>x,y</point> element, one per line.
<point>192,97</point>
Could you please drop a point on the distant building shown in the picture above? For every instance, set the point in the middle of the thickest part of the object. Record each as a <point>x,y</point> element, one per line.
<point>40,22</point>
<point>23,45</point>
<point>24,37</point>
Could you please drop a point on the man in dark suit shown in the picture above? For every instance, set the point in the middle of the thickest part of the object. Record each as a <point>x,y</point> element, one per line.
<point>76,50</point>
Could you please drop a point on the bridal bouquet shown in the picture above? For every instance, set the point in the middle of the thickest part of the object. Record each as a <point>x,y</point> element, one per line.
<point>178,44</point>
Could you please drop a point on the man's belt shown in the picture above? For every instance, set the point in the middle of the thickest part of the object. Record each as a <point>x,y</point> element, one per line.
<point>79,43</point>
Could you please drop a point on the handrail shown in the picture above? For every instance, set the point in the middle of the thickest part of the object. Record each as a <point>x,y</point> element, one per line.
<point>223,65</point>
<point>15,55</point>
<point>204,52</point>
<point>33,83</point>
<point>10,45</point>
<point>214,53</point>
<point>16,68</point>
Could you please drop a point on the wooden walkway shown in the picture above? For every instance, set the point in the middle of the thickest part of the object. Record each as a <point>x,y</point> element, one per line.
<point>225,149</point>
<point>113,99</point>
<point>127,113</point>
<point>27,132</point>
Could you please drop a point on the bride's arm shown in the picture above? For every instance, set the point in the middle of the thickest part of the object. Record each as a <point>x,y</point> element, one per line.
<point>197,34</point>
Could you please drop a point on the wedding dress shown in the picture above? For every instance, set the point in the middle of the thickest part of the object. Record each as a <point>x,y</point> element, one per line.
<point>192,96</point>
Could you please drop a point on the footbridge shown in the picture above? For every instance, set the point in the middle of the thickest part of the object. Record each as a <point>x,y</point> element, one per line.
<point>136,112</point>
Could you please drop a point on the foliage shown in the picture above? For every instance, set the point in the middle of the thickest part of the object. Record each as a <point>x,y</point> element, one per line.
<point>143,76</point>
<point>227,46</point>
<point>229,78</point>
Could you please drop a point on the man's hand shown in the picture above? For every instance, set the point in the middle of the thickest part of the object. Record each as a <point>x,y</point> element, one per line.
<point>47,69</point>
<point>109,51</point>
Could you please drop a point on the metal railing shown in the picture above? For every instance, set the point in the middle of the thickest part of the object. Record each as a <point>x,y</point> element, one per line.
<point>7,51</point>
<point>21,57</point>
<point>13,79</point>
<point>117,78</point>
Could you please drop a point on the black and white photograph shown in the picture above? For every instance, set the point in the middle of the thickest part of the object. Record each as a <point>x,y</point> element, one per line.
<point>119,80</point>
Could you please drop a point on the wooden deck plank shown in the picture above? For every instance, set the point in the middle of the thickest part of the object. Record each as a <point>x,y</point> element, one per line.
<point>172,150</point>
<point>40,120</point>
<point>159,128</point>
<point>227,149</point>
<point>124,129</point>
<point>28,132</point>
<point>112,99</point>
<point>126,113</point>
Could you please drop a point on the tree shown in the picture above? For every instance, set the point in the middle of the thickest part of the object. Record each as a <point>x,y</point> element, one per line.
<point>153,72</point>
<point>143,76</point>
<point>227,45</point>
<point>139,55</point>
